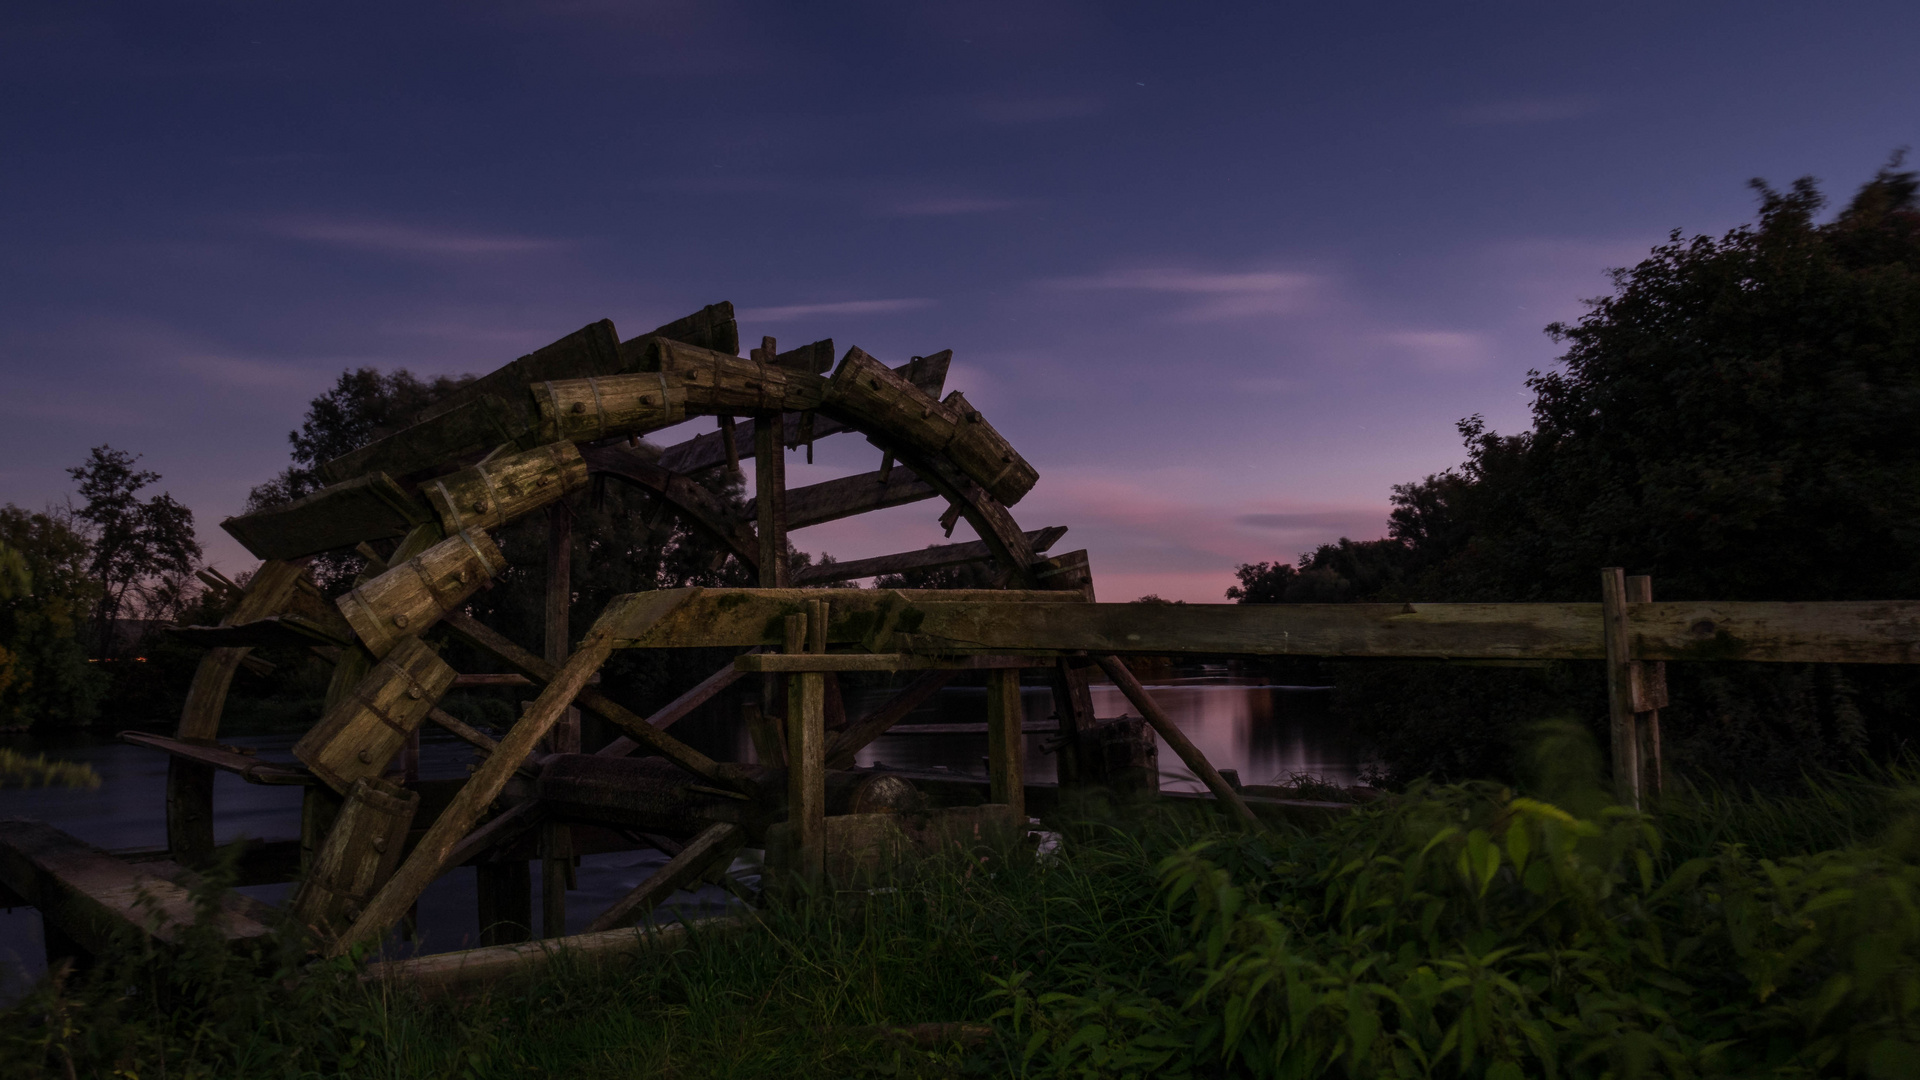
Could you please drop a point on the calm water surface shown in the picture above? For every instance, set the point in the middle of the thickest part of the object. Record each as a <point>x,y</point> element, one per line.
<point>1266,732</point>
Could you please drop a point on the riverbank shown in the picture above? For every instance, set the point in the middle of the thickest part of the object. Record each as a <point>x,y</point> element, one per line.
<point>1461,929</point>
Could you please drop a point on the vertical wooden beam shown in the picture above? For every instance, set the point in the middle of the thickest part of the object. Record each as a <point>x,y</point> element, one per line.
<point>807,747</point>
<point>1006,745</point>
<point>1649,696</point>
<point>1626,741</point>
<point>556,838</point>
<point>770,487</point>
<point>1169,731</point>
<point>1073,707</point>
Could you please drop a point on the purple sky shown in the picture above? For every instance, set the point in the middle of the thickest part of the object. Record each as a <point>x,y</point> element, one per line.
<point>1224,273</point>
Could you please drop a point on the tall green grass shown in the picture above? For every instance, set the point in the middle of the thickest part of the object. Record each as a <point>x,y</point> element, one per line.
<point>1447,931</point>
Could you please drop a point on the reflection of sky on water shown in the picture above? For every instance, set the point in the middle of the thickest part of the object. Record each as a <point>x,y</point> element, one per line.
<point>1266,732</point>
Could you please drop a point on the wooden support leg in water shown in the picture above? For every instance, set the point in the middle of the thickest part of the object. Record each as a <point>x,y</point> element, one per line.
<point>1006,745</point>
<point>1177,739</point>
<point>1620,715</point>
<point>690,863</point>
<point>807,745</point>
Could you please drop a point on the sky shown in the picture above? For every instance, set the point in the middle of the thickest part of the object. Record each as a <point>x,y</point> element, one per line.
<point>1224,273</point>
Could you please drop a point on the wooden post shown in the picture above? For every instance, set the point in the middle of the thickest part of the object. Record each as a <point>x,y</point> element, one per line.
<point>1649,697</point>
<point>556,838</point>
<point>807,747</point>
<point>1006,746</point>
<point>1073,707</point>
<point>770,487</point>
<point>1626,741</point>
<point>1183,746</point>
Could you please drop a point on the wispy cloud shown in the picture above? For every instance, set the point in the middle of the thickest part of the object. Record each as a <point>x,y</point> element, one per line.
<point>942,206</point>
<point>397,238</point>
<point>1318,521</point>
<point>1442,350</point>
<point>844,307</point>
<point>1213,294</point>
<point>1526,111</point>
<point>237,371</point>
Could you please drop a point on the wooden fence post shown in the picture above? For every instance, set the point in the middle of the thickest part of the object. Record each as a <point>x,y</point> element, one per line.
<point>1006,744</point>
<point>807,745</point>
<point>1649,679</point>
<point>1626,740</point>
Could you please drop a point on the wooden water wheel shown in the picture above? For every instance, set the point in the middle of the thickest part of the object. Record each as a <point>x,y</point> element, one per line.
<point>515,442</point>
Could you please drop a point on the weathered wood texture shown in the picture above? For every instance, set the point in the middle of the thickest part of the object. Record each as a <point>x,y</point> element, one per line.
<point>831,500</point>
<point>190,784</point>
<point>866,394</point>
<point>1006,741</point>
<point>1625,736</point>
<point>770,502</point>
<point>505,488</point>
<point>437,437</point>
<point>927,558</point>
<point>807,744</point>
<point>721,383</point>
<point>700,855</point>
<point>712,327</point>
<point>480,636</point>
<point>587,410</point>
<point>708,451</point>
<point>402,603</point>
<point>746,617</point>
<point>92,896</point>
<point>359,854</point>
<point>695,504</point>
<point>223,759</point>
<point>987,516</point>
<point>360,735</point>
<point>1648,685</point>
<point>448,972</point>
<point>429,855</point>
<point>1163,724</point>
<point>371,507</point>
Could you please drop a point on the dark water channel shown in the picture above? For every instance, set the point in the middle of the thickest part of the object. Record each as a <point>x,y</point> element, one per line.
<point>1267,732</point>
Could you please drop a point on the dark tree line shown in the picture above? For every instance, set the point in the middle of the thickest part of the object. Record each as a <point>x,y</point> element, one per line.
<point>1737,420</point>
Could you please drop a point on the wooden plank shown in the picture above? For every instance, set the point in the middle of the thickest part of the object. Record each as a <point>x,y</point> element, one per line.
<point>437,437</point>
<point>693,861</point>
<point>92,896</point>
<point>428,859</point>
<point>677,709</point>
<point>1006,746</point>
<point>402,603</point>
<point>712,327</point>
<point>718,383</point>
<point>709,451</point>
<point>480,636</point>
<point>1174,737</point>
<point>589,410</point>
<point>927,558</point>
<point>1073,705</point>
<point>694,503</point>
<point>1625,737</point>
<point>246,766</point>
<point>1813,632</point>
<point>807,749</point>
<point>359,736</point>
<point>770,508</point>
<point>460,681</point>
<point>370,507</point>
<point>501,829</point>
<point>984,454</point>
<point>753,616</point>
<point>831,500</point>
<point>1012,551</point>
<point>360,853</point>
<point>462,730</point>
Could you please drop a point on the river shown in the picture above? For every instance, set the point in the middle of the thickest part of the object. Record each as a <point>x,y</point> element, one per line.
<point>1266,732</point>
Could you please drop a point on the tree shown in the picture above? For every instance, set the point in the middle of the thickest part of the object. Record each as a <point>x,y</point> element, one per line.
<point>142,552</point>
<point>365,404</point>
<point>1734,419</point>
<point>44,674</point>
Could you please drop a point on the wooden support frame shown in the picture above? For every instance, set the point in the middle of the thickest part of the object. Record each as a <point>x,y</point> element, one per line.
<point>1621,721</point>
<point>859,733</point>
<point>1006,741</point>
<point>1175,738</point>
<point>807,745</point>
<point>689,864</point>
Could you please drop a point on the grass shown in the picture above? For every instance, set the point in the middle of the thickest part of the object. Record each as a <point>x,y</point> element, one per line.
<point>1447,931</point>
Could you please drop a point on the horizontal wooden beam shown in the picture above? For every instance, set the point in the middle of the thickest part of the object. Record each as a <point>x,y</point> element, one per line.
<point>847,496</point>
<point>370,507</point>
<point>93,897</point>
<point>279,630</point>
<point>1011,621</point>
<point>927,558</point>
<point>446,972</point>
<point>245,766</point>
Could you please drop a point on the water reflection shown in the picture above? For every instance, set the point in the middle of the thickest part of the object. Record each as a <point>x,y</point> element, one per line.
<point>1266,732</point>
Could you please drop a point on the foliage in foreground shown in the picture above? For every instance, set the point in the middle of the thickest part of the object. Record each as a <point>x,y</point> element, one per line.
<point>1452,931</point>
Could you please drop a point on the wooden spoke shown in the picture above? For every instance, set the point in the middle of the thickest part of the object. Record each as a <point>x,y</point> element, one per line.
<point>692,862</point>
